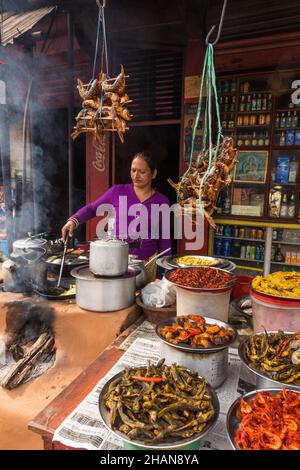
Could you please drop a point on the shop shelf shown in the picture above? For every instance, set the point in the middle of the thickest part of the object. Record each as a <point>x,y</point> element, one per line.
<point>241,259</point>
<point>260,240</point>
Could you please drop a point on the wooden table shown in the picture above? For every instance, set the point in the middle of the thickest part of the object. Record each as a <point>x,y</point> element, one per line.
<point>48,420</point>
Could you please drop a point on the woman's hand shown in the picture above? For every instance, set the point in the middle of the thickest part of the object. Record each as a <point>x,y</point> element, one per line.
<point>68,227</point>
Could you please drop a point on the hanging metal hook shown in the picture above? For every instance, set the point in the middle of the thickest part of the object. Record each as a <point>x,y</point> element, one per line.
<point>101,3</point>
<point>220,27</point>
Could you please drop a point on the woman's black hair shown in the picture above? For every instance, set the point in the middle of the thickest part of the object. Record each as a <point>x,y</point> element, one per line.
<point>149,159</point>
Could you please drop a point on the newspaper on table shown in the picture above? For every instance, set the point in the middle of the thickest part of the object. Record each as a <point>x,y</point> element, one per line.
<point>84,429</point>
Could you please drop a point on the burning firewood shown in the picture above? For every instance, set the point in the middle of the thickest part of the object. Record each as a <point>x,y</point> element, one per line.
<point>104,106</point>
<point>44,345</point>
<point>217,179</point>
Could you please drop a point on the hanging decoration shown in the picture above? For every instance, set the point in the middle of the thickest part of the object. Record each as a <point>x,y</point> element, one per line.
<point>200,185</point>
<point>104,101</point>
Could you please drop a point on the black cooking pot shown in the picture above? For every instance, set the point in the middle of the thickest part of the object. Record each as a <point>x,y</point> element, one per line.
<point>71,261</point>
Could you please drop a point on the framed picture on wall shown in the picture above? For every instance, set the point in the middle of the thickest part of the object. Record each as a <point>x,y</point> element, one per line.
<point>251,167</point>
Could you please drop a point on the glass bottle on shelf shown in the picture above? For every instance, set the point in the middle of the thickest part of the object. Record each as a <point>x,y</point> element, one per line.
<point>226,104</point>
<point>267,119</point>
<point>282,139</point>
<point>278,255</point>
<point>297,137</point>
<point>260,139</point>
<point>282,120</point>
<point>249,103</point>
<point>232,105</point>
<point>290,137</point>
<point>247,140</point>
<point>258,102</point>
<point>295,119</point>
<point>266,139</point>
<point>292,206</point>
<point>246,120</point>
<point>277,120</point>
<point>243,252</point>
<point>227,204</point>
<point>252,120</point>
<point>242,103</point>
<point>284,206</point>
<point>288,121</point>
<point>264,102</point>
<point>240,141</point>
<point>254,139</point>
<point>293,169</point>
<point>233,86</point>
<point>254,103</point>
<point>261,119</point>
<point>269,102</point>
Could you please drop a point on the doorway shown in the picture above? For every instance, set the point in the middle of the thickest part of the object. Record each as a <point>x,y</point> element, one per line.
<point>163,142</point>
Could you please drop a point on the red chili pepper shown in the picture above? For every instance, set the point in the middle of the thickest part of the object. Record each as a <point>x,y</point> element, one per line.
<point>284,346</point>
<point>193,333</point>
<point>147,379</point>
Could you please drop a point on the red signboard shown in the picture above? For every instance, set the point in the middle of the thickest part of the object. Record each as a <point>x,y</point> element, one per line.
<point>97,174</point>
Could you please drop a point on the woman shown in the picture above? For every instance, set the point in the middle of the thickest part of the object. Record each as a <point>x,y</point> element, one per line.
<point>139,192</point>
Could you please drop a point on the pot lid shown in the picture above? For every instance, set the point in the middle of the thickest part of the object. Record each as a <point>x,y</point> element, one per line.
<point>25,243</point>
<point>109,242</point>
<point>84,273</point>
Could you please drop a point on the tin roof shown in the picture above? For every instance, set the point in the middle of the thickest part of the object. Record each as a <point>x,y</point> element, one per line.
<point>15,24</point>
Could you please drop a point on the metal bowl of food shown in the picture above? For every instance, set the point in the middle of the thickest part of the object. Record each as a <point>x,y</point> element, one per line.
<point>206,352</point>
<point>274,357</point>
<point>183,261</point>
<point>202,279</point>
<point>146,423</point>
<point>218,334</point>
<point>263,436</point>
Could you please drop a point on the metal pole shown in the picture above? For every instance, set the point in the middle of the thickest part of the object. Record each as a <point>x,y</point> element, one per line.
<point>5,164</point>
<point>268,250</point>
<point>70,108</point>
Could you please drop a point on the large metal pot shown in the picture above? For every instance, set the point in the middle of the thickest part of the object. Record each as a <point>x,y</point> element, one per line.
<point>109,257</point>
<point>104,294</point>
<point>25,246</point>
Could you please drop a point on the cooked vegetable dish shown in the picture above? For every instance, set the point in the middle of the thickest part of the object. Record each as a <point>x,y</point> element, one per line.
<point>196,261</point>
<point>269,422</point>
<point>204,278</point>
<point>276,355</point>
<point>194,331</point>
<point>159,403</point>
<point>285,284</point>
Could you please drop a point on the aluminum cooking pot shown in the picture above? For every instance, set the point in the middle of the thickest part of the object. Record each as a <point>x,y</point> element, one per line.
<point>104,294</point>
<point>142,276</point>
<point>109,257</point>
<point>28,245</point>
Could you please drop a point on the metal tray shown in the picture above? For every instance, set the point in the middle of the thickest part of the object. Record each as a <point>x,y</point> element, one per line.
<point>232,422</point>
<point>202,289</point>
<point>237,305</point>
<point>104,413</point>
<point>260,373</point>
<point>163,262</point>
<point>188,348</point>
<point>175,264</point>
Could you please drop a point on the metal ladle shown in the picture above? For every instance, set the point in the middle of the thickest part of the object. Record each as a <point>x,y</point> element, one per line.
<point>63,260</point>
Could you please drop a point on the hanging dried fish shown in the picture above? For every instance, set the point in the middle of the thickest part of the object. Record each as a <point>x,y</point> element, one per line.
<point>217,179</point>
<point>104,106</point>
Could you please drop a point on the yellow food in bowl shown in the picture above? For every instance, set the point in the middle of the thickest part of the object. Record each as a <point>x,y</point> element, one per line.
<point>282,283</point>
<point>193,261</point>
